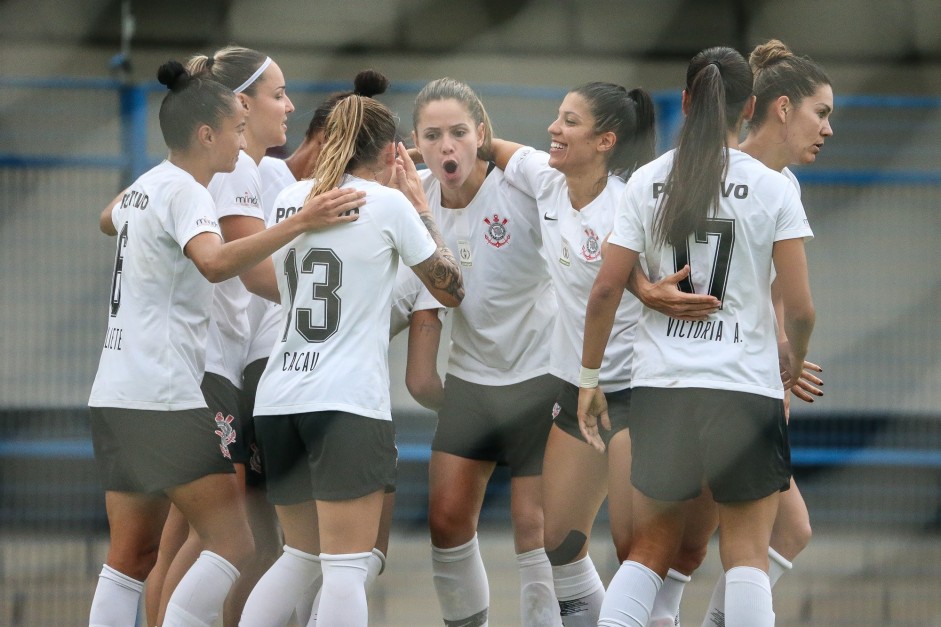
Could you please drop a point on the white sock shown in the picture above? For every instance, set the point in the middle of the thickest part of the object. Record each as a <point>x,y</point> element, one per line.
<point>198,597</point>
<point>715,614</point>
<point>777,566</point>
<point>312,621</point>
<point>748,598</point>
<point>305,610</point>
<point>116,599</point>
<point>343,597</point>
<point>377,564</point>
<point>580,592</point>
<point>630,596</point>
<point>538,605</point>
<point>461,584</point>
<point>277,592</point>
<point>666,607</point>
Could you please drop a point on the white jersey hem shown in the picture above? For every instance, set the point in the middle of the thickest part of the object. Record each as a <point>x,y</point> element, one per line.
<point>305,408</point>
<point>710,384</point>
<point>122,404</point>
<point>505,378</point>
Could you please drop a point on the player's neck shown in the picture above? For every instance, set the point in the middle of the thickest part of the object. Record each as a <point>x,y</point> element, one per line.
<point>195,166</point>
<point>585,186</point>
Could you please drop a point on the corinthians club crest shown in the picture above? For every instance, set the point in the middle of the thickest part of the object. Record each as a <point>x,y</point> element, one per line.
<point>497,234</point>
<point>591,249</point>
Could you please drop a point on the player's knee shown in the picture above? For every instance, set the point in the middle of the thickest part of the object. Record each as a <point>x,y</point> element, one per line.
<point>449,528</point>
<point>136,564</point>
<point>622,543</point>
<point>793,539</point>
<point>804,534</point>
<point>568,550</point>
<point>690,557</point>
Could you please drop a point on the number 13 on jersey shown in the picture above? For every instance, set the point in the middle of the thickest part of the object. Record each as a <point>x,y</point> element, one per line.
<point>316,316</point>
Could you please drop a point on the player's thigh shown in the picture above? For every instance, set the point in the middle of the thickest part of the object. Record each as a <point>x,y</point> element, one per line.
<point>574,484</point>
<point>456,494</point>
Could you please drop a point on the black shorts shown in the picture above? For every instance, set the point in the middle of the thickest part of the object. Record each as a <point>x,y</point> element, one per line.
<point>565,411</point>
<point>735,440</point>
<point>327,456</point>
<point>255,470</point>
<point>146,451</point>
<point>507,424</point>
<point>225,403</point>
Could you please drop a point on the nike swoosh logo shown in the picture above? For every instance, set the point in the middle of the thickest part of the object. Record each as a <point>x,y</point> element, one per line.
<point>545,216</point>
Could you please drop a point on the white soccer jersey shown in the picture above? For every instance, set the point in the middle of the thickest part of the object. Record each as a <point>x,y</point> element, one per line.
<point>264,315</point>
<point>408,295</point>
<point>500,334</point>
<point>793,179</point>
<point>275,176</point>
<point>736,348</point>
<point>236,193</point>
<point>572,241</point>
<point>155,347</point>
<point>336,287</point>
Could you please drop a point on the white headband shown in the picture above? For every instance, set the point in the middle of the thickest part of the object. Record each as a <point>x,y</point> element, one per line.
<point>253,77</point>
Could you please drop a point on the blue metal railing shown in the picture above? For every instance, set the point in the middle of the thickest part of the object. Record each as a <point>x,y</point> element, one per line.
<point>134,113</point>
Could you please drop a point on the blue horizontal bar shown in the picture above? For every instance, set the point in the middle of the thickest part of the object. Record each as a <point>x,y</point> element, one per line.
<point>47,449</point>
<point>867,177</point>
<point>483,89</point>
<point>39,82</point>
<point>421,452</point>
<point>65,161</point>
<point>865,457</point>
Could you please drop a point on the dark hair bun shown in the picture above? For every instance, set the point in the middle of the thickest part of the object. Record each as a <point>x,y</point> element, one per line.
<point>769,53</point>
<point>370,83</point>
<point>173,75</point>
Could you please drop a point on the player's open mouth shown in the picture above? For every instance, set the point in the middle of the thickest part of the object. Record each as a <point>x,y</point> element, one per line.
<point>450,166</point>
<point>556,146</point>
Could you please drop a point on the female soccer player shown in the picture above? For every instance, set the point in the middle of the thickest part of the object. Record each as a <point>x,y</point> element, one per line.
<point>153,437</point>
<point>794,100</point>
<point>498,394</point>
<point>259,85</point>
<point>707,396</point>
<point>603,132</point>
<point>322,409</point>
<point>413,308</point>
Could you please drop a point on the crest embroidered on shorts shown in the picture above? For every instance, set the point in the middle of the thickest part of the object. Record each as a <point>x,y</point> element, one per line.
<point>255,462</point>
<point>497,234</point>
<point>591,249</point>
<point>556,410</point>
<point>225,432</point>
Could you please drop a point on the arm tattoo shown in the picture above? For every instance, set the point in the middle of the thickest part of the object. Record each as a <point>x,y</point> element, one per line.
<point>441,268</point>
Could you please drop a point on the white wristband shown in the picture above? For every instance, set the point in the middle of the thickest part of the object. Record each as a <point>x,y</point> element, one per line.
<point>588,377</point>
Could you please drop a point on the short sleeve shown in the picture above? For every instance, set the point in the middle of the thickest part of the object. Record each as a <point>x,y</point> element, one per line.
<point>118,214</point>
<point>629,229</point>
<point>192,212</point>
<point>406,231</point>
<point>529,171</point>
<point>792,222</point>
<point>238,193</point>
